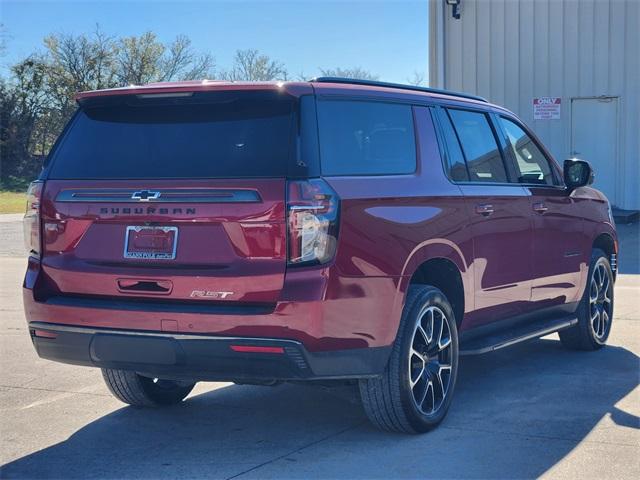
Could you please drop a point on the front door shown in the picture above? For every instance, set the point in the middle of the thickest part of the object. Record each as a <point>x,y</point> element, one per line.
<point>594,133</point>
<point>560,248</point>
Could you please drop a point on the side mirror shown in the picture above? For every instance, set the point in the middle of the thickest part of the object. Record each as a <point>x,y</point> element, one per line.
<point>577,173</point>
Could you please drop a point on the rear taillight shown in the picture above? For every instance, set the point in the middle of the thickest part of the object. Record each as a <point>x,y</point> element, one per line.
<point>312,211</point>
<point>31,221</point>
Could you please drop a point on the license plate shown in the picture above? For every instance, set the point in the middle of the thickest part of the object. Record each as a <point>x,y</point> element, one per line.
<point>150,243</point>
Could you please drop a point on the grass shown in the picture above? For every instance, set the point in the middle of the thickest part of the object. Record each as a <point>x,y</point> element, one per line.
<point>12,202</point>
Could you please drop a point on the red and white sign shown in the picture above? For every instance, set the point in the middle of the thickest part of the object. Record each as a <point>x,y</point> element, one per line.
<point>546,108</point>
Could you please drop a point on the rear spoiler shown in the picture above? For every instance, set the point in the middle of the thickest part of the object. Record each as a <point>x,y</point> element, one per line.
<point>168,90</point>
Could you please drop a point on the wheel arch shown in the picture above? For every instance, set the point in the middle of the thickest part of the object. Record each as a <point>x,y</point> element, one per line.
<point>436,260</point>
<point>445,275</point>
<point>608,244</point>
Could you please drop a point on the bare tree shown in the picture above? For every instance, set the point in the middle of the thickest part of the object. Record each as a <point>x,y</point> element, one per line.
<point>138,59</point>
<point>38,98</point>
<point>250,65</point>
<point>354,72</point>
<point>418,78</point>
<point>78,63</point>
<point>181,62</point>
<point>4,36</point>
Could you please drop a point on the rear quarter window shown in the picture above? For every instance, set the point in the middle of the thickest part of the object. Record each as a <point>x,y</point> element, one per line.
<point>366,138</point>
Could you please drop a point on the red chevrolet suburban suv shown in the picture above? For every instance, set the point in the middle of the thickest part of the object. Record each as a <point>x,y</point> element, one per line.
<point>331,230</point>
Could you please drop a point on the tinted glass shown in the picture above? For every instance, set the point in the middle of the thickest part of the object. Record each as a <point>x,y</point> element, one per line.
<point>233,134</point>
<point>532,165</point>
<point>366,138</point>
<point>484,160</point>
<point>457,169</point>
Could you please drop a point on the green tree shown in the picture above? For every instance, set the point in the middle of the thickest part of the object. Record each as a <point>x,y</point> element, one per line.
<point>21,105</point>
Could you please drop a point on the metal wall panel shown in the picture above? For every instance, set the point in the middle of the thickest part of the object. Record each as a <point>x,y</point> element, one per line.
<point>511,51</point>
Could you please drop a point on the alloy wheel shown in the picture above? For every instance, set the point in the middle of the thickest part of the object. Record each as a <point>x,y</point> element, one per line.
<point>600,301</point>
<point>430,360</point>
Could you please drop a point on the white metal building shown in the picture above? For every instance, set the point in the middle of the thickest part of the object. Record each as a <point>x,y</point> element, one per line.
<point>569,68</point>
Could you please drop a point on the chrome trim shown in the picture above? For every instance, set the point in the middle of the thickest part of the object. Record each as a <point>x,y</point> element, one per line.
<point>177,195</point>
<point>54,327</point>
<point>307,207</point>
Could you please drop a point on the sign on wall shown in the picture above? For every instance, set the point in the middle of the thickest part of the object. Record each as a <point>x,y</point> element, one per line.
<point>546,108</point>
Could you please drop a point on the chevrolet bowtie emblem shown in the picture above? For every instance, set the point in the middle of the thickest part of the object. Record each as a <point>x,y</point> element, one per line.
<point>145,195</point>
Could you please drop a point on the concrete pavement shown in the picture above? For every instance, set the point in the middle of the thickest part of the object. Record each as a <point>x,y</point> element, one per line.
<point>532,410</point>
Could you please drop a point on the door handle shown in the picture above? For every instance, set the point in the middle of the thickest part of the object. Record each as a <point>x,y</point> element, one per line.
<point>485,209</point>
<point>540,207</point>
<point>132,285</point>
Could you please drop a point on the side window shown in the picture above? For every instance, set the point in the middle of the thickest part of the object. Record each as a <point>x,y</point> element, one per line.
<point>366,138</point>
<point>479,145</point>
<point>531,164</point>
<point>457,169</point>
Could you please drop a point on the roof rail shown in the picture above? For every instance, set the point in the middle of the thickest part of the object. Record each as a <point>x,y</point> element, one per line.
<point>375,83</point>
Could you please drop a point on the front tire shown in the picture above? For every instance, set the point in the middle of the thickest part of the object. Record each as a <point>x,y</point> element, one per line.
<point>415,391</point>
<point>139,391</point>
<point>595,312</point>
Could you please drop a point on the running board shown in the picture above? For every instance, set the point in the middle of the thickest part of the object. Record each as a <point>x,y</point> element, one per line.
<point>498,340</point>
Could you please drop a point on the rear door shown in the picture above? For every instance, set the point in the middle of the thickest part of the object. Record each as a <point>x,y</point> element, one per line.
<point>499,212</point>
<point>175,197</point>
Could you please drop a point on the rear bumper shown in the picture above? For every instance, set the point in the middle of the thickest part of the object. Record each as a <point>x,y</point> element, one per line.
<point>201,357</point>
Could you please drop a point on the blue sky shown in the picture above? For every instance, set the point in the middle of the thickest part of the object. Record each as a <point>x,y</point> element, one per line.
<point>388,38</point>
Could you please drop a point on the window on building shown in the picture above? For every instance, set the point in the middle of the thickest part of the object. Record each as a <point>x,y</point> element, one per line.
<point>532,165</point>
<point>479,145</point>
<point>366,138</point>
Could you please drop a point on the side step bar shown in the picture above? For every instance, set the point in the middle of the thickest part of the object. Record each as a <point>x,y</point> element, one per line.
<point>498,340</point>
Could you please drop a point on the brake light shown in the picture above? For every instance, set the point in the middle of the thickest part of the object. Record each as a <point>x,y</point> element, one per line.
<point>312,211</point>
<point>31,222</point>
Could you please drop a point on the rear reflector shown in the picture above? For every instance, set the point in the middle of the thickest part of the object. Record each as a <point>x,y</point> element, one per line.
<point>256,349</point>
<point>43,334</point>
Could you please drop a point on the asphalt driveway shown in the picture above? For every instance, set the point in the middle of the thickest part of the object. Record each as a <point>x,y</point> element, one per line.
<point>532,410</point>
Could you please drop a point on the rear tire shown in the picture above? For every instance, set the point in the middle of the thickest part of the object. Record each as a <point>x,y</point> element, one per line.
<point>139,391</point>
<point>595,312</point>
<point>415,391</point>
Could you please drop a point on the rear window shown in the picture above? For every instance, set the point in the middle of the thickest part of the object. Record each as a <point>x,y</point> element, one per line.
<point>366,138</point>
<point>479,145</point>
<point>211,135</point>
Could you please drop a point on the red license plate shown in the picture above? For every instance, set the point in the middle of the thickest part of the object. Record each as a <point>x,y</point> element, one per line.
<point>151,243</point>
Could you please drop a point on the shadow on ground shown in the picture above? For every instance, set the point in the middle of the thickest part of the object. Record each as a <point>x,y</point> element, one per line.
<point>517,413</point>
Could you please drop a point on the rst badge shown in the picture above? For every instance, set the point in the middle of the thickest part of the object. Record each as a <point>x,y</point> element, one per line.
<point>210,294</point>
